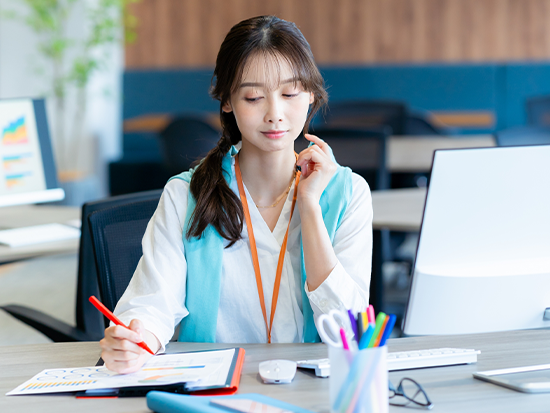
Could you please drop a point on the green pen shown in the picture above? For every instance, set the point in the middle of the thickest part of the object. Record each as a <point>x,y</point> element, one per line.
<point>379,323</point>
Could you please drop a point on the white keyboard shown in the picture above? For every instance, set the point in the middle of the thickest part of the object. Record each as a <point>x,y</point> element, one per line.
<point>36,234</point>
<point>405,360</point>
<point>417,359</point>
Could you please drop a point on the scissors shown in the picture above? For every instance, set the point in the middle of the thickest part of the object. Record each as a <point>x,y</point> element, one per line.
<point>328,326</point>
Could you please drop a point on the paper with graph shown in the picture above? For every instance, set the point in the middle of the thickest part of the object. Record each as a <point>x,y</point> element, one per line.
<point>159,370</point>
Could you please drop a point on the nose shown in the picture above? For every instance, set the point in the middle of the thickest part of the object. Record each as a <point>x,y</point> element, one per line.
<point>274,113</point>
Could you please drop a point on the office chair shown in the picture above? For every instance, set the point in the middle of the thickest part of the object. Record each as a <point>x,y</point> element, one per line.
<point>116,234</point>
<point>367,114</point>
<point>523,135</point>
<point>89,326</point>
<point>186,139</point>
<point>538,111</point>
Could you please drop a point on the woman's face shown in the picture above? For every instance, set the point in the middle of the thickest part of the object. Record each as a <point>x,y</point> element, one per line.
<point>269,106</point>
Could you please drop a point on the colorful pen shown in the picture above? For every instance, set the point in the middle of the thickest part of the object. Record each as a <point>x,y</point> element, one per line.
<point>365,320</point>
<point>344,339</point>
<point>365,338</point>
<point>370,314</point>
<point>353,323</point>
<point>107,313</point>
<point>379,322</point>
<point>382,330</point>
<point>388,330</point>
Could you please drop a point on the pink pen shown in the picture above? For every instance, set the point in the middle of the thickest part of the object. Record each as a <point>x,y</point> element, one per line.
<point>370,314</point>
<point>344,339</point>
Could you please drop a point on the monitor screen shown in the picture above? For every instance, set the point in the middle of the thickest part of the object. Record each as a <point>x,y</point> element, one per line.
<point>483,258</point>
<point>28,174</point>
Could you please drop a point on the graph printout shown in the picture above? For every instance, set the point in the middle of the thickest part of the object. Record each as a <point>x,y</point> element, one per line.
<point>159,370</point>
<point>21,168</point>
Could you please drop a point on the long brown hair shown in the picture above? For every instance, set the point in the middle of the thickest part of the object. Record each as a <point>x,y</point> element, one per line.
<point>217,204</point>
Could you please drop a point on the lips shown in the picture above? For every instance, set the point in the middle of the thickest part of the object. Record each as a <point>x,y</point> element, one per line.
<point>275,134</point>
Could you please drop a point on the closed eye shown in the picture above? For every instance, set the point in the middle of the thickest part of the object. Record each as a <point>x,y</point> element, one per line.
<point>252,99</point>
<point>291,96</point>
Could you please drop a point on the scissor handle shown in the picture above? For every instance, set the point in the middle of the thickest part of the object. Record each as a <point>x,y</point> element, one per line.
<point>328,331</point>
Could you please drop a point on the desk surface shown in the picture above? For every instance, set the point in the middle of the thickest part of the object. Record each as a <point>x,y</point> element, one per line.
<point>415,153</point>
<point>398,209</point>
<point>26,215</point>
<point>452,389</point>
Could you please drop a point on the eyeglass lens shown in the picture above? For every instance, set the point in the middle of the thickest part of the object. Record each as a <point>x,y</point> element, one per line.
<point>411,391</point>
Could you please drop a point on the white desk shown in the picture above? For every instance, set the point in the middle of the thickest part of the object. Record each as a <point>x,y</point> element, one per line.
<point>26,215</point>
<point>398,209</point>
<point>415,153</point>
<point>452,389</point>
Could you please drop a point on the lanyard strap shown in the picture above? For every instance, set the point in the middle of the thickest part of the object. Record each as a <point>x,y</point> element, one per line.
<point>254,251</point>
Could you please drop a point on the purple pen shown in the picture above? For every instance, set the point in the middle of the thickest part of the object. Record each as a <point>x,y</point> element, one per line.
<point>353,323</point>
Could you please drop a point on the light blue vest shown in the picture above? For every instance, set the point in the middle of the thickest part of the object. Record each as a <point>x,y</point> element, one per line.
<point>204,259</point>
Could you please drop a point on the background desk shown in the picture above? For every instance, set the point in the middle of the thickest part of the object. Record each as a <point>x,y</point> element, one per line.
<point>26,215</point>
<point>415,153</point>
<point>452,389</point>
<point>398,209</point>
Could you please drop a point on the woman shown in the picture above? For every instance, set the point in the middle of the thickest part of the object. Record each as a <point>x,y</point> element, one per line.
<point>245,248</point>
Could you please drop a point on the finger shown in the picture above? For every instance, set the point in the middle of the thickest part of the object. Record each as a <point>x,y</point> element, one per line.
<point>123,366</point>
<point>313,154</point>
<point>317,141</point>
<point>123,333</point>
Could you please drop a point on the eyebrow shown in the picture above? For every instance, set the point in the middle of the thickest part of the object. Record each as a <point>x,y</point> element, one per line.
<point>251,84</point>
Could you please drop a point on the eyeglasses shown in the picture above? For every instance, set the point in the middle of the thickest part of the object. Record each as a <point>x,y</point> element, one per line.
<point>412,393</point>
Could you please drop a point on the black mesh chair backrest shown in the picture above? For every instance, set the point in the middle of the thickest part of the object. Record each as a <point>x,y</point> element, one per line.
<point>117,233</point>
<point>523,135</point>
<point>88,319</point>
<point>538,111</point>
<point>185,140</point>
<point>367,114</point>
<point>363,150</point>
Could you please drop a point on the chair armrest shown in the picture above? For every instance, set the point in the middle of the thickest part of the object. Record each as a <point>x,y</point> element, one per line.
<point>55,329</point>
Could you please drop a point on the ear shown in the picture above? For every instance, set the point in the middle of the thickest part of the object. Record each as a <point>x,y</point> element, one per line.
<point>311,98</point>
<point>227,107</point>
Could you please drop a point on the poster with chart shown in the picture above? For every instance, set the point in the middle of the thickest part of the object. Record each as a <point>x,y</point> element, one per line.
<point>159,370</point>
<point>21,168</point>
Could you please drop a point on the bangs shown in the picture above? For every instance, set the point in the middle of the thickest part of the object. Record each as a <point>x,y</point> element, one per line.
<point>271,60</point>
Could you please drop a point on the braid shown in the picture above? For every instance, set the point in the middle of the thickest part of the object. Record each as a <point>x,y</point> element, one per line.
<point>217,204</point>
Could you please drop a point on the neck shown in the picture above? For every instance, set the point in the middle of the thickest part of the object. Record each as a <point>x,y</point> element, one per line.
<point>266,174</point>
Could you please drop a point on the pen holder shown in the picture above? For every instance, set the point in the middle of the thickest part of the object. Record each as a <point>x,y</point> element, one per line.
<point>358,380</point>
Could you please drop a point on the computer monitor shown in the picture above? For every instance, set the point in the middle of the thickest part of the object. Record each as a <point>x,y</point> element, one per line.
<point>483,258</point>
<point>28,174</point>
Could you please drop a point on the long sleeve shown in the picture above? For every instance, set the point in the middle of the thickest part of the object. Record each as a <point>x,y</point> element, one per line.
<point>156,293</point>
<point>347,286</point>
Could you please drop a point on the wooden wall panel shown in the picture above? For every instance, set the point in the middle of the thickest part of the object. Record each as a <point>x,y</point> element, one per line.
<point>188,33</point>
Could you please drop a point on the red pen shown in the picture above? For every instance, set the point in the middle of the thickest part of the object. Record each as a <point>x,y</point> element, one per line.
<point>107,313</point>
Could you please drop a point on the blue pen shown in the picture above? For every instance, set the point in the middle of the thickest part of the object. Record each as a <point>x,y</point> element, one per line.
<point>388,330</point>
<point>365,338</point>
<point>353,324</point>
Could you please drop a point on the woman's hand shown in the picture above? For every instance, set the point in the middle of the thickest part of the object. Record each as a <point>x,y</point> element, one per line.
<point>120,350</point>
<point>317,170</point>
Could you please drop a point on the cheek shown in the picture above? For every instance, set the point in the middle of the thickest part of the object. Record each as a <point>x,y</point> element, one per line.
<point>246,116</point>
<point>298,110</point>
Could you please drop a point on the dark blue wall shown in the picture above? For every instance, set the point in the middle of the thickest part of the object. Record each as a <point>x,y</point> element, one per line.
<point>501,88</point>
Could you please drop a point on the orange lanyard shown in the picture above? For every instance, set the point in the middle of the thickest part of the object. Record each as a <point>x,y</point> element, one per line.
<point>254,251</point>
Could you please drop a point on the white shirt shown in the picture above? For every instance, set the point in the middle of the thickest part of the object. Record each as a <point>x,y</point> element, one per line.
<point>156,293</point>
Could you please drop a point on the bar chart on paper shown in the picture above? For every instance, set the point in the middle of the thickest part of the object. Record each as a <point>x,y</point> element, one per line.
<point>64,380</point>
